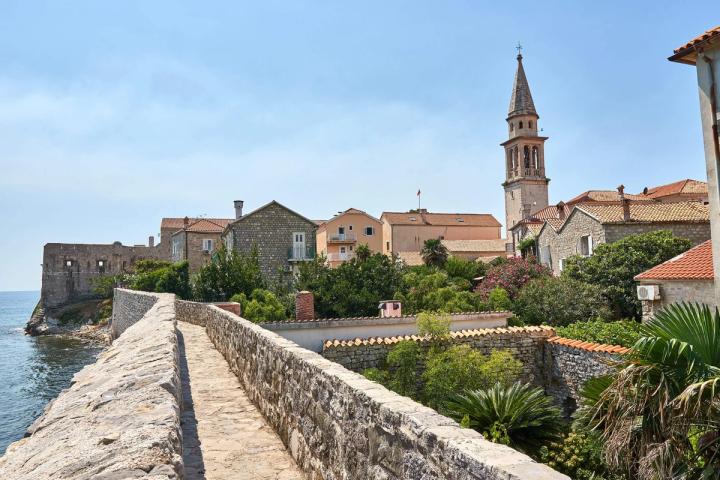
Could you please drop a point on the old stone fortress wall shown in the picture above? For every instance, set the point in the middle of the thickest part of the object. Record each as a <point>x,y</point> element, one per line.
<point>121,416</point>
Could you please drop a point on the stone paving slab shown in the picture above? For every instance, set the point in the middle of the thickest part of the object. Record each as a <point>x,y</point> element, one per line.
<point>224,436</point>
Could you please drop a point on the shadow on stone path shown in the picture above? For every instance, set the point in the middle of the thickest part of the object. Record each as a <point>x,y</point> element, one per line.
<point>233,440</point>
<point>192,454</point>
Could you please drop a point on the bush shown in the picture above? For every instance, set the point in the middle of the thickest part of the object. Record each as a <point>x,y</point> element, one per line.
<point>262,306</point>
<point>614,265</point>
<point>427,289</point>
<point>578,455</point>
<point>403,364</point>
<point>559,301</point>
<point>511,275</point>
<point>499,300</point>
<point>377,375</point>
<point>162,277</point>
<point>518,415</point>
<point>229,273</point>
<point>437,327</point>
<point>461,368</point>
<point>458,267</point>
<point>622,332</point>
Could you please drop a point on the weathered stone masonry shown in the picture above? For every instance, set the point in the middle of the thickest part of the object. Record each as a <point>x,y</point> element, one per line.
<point>121,416</point>
<point>339,425</point>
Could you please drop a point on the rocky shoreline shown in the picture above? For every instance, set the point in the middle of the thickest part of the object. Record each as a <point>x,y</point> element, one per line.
<point>84,328</point>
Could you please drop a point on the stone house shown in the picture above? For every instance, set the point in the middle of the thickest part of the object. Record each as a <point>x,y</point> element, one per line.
<point>685,278</point>
<point>407,232</point>
<point>338,237</point>
<point>282,237</point>
<point>170,225</point>
<point>196,242</point>
<point>588,225</point>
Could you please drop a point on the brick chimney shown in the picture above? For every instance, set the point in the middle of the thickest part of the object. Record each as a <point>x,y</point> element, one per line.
<point>561,210</point>
<point>186,222</point>
<point>304,306</point>
<point>238,208</point>
<point>151,241</point>
<point>624,203</point>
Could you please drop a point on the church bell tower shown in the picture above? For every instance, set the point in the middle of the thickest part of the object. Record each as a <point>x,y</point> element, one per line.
<point>526,186</point>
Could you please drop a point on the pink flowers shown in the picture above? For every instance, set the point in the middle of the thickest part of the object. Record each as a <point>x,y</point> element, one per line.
<point>511,276</point>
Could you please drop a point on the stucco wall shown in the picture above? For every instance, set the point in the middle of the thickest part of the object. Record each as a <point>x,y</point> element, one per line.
<point>337,424</point>
<point>63,284</point>
<point>121,416</point>
<point>411,238</point>
<point>312,335</point>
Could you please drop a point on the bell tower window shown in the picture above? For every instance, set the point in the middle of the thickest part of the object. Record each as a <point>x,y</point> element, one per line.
<point>526,156</point>
<point>529,123</point>
<point>535,158</point>
<point>520,124</point>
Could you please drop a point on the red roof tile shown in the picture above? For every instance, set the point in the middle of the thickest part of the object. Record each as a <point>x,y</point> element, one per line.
<point>441,219</point>
<point>204,226</point>
<point>687,186</point>
<point>649,212</point>
<point>695,264</point>
<point>179,223</point>
<point>588,346</point>
<point>686,53</point>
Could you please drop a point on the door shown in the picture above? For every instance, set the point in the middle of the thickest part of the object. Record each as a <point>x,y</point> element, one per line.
<point>299,245</point>
<point>343,254</point>
<point>341,233</point>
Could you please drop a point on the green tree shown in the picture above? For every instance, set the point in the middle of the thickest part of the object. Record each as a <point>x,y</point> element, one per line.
<point>362,252</point>
<point>429,289</point>
<point>659,413</point>
<point>229,273</point>
<point>458,267</point>
<point>518,415</point>
<point>434,253</point>
<point>402,362</point>
<point>559,301</point>
<point>261,306</point>
<point>162,277</point>
<point>613,266</point>
<point>499,300</point>
<point>461,368</point>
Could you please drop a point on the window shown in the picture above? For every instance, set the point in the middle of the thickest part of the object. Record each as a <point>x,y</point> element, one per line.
<point>207,245</point>
<point>561,264</point>
<point>530,124</point>
<point>520,125</point>
<point>412,219</point>
<point>526,156</point>
<point>350,227</point>
<point>175,246</point>
<point>369,231</point>
<point>586,245</point>
<point>68,263</point>
<point>101,263</point>
<point>387,245</point>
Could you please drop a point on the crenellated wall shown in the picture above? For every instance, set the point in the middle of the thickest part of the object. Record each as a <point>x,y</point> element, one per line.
<point>337,424</point>
<point>121,416</point>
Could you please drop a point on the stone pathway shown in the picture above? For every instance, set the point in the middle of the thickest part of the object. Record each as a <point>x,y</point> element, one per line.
<point>224,436</point>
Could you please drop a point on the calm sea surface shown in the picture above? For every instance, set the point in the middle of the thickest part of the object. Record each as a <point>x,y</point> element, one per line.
<point>33,370</point>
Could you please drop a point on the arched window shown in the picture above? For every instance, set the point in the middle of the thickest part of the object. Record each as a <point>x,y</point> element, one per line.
<point>520,124</point>
<point>526,155</point>
<point>515,158</point>
<point>512,126</point>
<point>529,123</point>
<point>535,157</point>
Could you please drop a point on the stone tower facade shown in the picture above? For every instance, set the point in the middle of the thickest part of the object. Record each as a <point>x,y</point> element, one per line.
<point>526,186</point>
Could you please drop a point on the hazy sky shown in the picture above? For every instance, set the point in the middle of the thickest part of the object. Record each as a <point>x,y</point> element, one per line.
<point>114,114</point>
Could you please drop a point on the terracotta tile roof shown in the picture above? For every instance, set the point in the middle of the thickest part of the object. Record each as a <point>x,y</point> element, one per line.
<point>178,223</point>
<point>602,196</point>
<point>588,346</point>
<point>686,53</point>
<point>687,186</point>
<point>481,332</point>
<point>695,264</point>
<point>441,219</point>
<point>649,212</point>
<point>475,245</point>
<point>204,226</point>
<point>349,210</point>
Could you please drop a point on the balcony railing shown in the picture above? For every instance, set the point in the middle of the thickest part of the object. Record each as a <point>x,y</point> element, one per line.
<point>340,257</point>
<point>299,253</point>
<point>342,237</point>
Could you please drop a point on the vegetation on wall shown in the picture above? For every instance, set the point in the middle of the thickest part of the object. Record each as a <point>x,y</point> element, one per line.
<point>613,266</point>
<point>622,332</point>
<point>261,306</point>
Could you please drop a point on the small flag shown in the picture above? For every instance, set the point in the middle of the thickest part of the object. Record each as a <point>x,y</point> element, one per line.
<point>418,194</point>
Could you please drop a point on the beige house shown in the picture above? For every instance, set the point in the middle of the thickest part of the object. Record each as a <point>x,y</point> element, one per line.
<point>685,278</point>
<point>338,237</point>
<point>196,242</point>
<point>407,231</point>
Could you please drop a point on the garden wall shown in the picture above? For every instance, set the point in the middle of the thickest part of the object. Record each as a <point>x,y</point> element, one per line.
<point>339,425</point>
<point>121,416</point>
<point>312,334</point>
<point>525,343</point>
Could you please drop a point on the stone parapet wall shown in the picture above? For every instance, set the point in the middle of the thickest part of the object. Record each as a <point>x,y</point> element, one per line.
<point>120,419</point>
<point>571,363</point>
<point>525,343</point>
<point>337,424</point>
<point>129,307</point>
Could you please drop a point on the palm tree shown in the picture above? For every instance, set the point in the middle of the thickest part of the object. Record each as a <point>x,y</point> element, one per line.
<point>520,415</point>
<point>659,414</point>
<point>434,253</point>
<point>362,252</point>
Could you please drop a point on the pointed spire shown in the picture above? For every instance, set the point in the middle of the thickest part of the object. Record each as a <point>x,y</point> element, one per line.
<point>521,102</point>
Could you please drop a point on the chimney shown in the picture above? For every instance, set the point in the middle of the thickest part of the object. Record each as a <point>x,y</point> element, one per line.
<point>238,208</point>
<point>151,241</point>
<point>561,210</point>
<point>624,203</point>
<point>304,306</point>
<point>186,221</point>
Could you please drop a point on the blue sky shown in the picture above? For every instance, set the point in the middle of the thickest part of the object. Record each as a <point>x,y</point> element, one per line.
<point>114,114</point>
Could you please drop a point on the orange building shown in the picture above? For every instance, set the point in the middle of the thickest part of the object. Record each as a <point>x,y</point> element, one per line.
<point>338,237</point>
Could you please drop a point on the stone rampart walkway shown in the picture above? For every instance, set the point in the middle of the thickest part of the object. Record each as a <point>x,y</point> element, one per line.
<point>224,435</point>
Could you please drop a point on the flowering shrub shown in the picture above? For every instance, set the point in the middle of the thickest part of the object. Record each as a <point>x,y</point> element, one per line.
<point>511,276</point>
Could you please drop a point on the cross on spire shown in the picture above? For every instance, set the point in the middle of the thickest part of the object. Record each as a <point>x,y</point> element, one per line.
<point>519,49</point>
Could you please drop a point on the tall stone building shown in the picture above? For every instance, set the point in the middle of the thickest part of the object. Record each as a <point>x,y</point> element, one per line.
<point>526,186</point>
